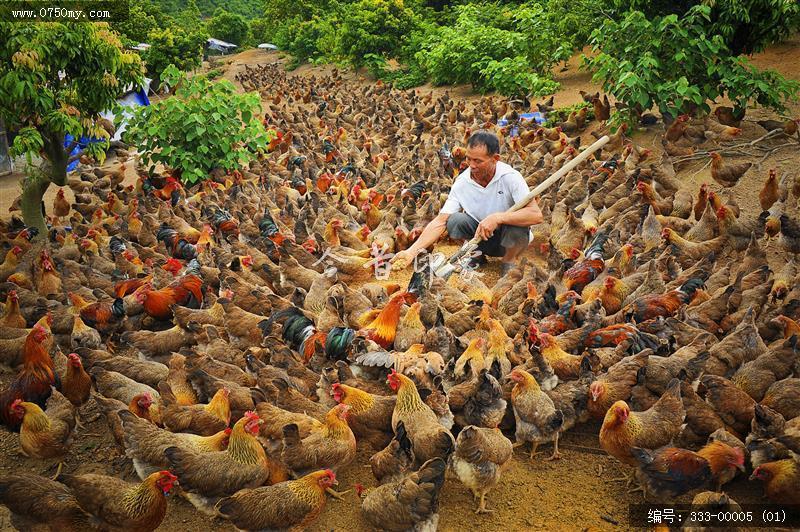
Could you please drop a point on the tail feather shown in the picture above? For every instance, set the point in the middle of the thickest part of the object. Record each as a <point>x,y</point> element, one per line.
<point>469,446</point>
<point>338,342</point>
<point>642,456</point>
<point>691,286</point>
<point>402,438</point>
<point>556,421</point>
<point>446,444</point>
<point>177,458</point>
<point>227,507</point>
<point>597,247</point>
<point>433,471</point>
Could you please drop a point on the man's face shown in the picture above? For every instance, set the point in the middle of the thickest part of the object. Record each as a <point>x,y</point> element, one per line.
<point>481,164</point>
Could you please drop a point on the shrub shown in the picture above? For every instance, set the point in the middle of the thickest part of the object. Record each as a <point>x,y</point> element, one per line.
<point>173,46</point>
<point>228,27</point>
<point>513,77</point>
<point>406,77</point>
<point>673,63</point>
<point>374,27</point>
<point>205,125</point>
<point>561,114</point>
<point>307,40</point>
<point>747,26</point>
<point>516,43</point>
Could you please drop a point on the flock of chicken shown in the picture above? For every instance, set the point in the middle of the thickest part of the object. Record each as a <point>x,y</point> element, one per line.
<point>242,346</point>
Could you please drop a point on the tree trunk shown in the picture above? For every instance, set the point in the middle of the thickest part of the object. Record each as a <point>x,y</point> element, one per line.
<point>52,170</point>
<point>33,190</point>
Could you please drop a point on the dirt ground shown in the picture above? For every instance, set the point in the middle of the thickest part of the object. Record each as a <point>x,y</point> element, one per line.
<point>574,493</point>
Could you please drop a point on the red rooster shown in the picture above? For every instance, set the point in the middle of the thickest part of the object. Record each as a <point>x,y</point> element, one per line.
<point>33,382</point>
<point>129,286</point>
<point>654,305</point>
<point>100,315</point>
<point>383,328</point>
<point>587,270</point>
<point>178,247</point>
<point>173,266</point>
<point>170,191</point>
<point>619,333</point>
<point>186,291</point>
<point>223,223</point>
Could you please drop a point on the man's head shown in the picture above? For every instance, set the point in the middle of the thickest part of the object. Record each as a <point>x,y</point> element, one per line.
<point>483,152</point>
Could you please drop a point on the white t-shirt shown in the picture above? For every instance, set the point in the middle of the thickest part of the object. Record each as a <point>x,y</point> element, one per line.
<point>506,188</point>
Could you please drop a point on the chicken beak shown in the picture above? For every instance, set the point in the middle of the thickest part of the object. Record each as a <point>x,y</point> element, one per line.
<point>741,467</point>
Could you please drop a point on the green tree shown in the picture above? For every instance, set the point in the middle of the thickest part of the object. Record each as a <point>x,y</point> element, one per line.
<point>228,27</point>
<point>55,79</point>
<point>675,64</point>
<point>510,49</point>
<point>747,26</point>
<point>190,19</point>
<point>261,30</point>
<point>375,27</point>
<point>280,11</point>
<point>573,20</point>
<point>205,125</point>
<point>173,46</point>
<point>137,26</point>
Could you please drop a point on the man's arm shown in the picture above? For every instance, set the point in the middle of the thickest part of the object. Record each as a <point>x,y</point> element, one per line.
<point>525,217</point>
<point>529,215</point>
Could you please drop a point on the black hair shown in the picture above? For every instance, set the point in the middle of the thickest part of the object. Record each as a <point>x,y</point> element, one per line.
<point>485,138</point>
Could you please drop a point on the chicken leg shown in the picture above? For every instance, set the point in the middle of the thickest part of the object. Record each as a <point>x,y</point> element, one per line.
<point>58,471</point>
<point>482,509</point>
<point>556,455</point>
<point>534,446</point>
<point>627,477</point>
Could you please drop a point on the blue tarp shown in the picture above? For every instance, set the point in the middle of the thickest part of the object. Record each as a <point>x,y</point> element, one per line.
<point>137,98</point>
<point>537,116</point>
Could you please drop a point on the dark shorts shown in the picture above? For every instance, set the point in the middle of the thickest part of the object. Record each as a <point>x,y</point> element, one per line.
<point>462,226</point>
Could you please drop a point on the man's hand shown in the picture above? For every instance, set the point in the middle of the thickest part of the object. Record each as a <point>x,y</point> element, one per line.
<point>402,259</point>
<point>487,226</point>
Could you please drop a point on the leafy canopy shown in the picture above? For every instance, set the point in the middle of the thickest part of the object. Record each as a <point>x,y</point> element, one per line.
<point>173,46</point>
<point>510,49</point>
<point>205,125</point>
<point>228,27</point>
<point>136,27</point>
<point>374,26</point>
<point>746,26</point>
<point>675,64</point>
<point>55,79</point>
